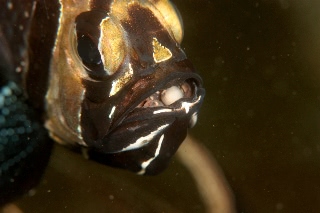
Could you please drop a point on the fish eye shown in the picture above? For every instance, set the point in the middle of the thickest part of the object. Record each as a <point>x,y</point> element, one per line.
<point>88,51</point>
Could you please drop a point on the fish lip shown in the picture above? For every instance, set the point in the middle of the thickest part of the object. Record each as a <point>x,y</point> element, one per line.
<point>176,107</point>
<point>139,119</point>
<point>200,91</point>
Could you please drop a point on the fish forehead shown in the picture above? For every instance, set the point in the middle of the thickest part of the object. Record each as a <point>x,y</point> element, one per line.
<point>151,28</point>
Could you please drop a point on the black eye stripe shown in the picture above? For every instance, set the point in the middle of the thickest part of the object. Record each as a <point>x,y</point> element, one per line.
<point>88,33</point>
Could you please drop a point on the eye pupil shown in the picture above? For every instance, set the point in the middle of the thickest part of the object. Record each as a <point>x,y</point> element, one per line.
<point>88,51</point>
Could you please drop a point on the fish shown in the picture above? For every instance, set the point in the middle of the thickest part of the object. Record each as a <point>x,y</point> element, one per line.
<point>25,146</point>
<point>106,76</point>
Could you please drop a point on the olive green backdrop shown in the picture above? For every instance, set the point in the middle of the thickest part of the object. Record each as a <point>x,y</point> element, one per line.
<point>260,61</point>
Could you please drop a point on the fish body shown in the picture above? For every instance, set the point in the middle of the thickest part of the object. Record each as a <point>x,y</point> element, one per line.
<point>109,76</point>
<point>25,146</point>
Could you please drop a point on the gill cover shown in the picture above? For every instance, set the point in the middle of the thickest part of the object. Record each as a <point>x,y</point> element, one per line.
<point>120,83</point>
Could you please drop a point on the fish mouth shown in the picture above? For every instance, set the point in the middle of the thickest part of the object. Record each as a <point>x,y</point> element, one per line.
<point>150,134</point>
<point>181,98</point>
<point>155,114</point>
<point>168,96</point>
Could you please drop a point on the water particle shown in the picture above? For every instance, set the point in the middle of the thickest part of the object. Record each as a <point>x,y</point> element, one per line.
<point>18,69</point>
<point>250,113</point>
<point>279,206</point>
<point>10,5</point>
<point>32,192</point>
<point>26,14</point>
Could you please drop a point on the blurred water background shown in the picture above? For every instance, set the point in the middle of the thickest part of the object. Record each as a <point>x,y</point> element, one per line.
<point>261,118</point>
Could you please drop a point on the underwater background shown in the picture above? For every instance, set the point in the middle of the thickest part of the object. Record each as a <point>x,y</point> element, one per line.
<point>260,62</point>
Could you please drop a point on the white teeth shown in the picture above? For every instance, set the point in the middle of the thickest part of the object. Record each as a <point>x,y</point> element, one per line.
<point>171,95</point>
<point>193,120</point>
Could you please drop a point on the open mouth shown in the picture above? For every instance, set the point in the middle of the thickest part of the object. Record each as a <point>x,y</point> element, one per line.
<point>169,95</point>
<point>172,108</point>
<point>157,126</point>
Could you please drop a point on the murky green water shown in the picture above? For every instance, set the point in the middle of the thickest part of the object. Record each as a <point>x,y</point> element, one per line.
<point>261,118</point>
<point>261,66</point>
